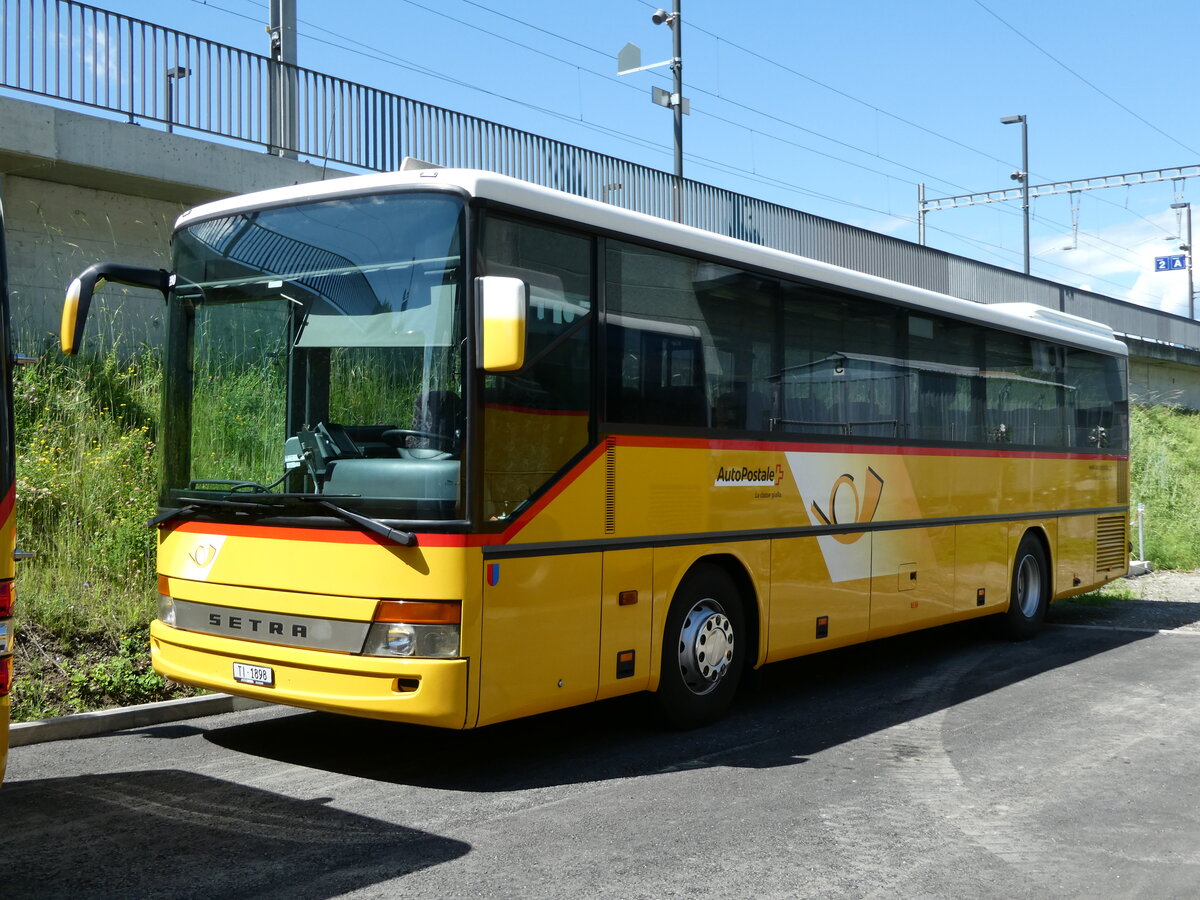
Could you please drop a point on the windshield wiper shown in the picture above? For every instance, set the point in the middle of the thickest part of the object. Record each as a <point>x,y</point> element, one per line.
<point>193,504</point>
<point>403,538</point>
<point>374,526</point>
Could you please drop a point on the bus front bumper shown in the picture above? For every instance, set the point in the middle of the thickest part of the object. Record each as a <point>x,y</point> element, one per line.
<point>419,691</point>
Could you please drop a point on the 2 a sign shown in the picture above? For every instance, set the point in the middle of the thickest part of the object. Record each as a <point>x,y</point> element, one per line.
<point>1176,263</point>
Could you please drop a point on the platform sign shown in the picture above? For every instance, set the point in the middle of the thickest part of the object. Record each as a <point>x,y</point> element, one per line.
<point>1176,263</point>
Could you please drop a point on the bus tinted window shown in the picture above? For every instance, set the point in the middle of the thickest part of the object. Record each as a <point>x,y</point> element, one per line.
<point>537,418</point>
<point>842,372</point>
<point>1098,414</point>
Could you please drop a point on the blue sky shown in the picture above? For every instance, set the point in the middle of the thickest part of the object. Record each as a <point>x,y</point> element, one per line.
<point>837,109</point>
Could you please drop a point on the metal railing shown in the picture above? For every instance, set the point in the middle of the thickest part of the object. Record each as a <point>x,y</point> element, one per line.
<point>80,54</point>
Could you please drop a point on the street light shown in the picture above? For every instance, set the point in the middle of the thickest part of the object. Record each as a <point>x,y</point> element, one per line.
<point>173,75</point>
<point>1022,175</point>
<point>1188,247</point>
<point>629,60</point>
<point>673,22</point>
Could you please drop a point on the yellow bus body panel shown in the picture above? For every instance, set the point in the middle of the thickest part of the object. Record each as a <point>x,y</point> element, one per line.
<point>541,636</point>
<point>328,563</point>
<point>334,575</point>
<point>902,538</point>
<point>424,691</point>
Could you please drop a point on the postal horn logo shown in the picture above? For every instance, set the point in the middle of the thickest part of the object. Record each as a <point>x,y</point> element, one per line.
<point>203,554</point>
<point>863,506</point>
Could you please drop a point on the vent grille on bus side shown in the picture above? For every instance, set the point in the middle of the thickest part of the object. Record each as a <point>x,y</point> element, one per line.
<point>1112,543</point>
<point>610,486</point>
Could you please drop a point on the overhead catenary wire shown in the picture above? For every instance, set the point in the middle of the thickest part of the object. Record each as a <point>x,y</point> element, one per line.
<point>385,57</point>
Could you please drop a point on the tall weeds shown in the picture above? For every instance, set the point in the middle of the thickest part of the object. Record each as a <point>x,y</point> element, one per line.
<point>86,485</point>
<point>1165,479</point>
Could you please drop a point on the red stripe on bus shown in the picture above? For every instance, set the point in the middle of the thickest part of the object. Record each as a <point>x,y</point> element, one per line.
<point>319,535</point>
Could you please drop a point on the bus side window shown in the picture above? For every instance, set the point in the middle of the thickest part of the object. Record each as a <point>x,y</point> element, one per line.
<point>538,418</point>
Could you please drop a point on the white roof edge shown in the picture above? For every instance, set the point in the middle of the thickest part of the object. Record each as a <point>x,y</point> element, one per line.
<point>1026,317</point>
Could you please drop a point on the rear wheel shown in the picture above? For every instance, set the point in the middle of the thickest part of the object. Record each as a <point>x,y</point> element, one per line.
<point>1030,593</point>
<point>704,649</point>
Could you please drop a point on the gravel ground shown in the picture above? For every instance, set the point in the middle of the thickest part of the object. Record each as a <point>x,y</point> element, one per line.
<point>1159,601</point>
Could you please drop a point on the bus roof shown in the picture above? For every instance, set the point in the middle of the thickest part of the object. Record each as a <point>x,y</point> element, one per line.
<point>1029,318</point>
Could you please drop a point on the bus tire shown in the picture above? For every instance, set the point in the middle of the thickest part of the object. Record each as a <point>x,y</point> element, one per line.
<point>1030,593</point>
<point>704,649</point>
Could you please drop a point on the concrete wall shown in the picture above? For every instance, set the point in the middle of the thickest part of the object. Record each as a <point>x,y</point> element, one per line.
<point>79,189</point>
<point>54,232</point>
<point>1164,375</point>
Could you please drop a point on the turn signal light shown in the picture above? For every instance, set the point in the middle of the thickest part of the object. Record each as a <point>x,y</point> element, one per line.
<point>419,612</point>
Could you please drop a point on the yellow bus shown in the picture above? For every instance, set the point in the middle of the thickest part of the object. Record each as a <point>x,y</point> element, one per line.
<point>448,448</point>
<point>7,498</point>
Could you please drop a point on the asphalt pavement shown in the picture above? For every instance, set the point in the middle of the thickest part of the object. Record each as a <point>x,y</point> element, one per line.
<point>941,764</point>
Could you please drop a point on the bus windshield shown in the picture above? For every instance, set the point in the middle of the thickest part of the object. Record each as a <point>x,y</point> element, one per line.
<point>317,349</point>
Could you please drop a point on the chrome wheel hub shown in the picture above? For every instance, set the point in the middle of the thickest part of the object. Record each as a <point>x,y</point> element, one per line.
<point>1029,586</point>
<point>705,646</point>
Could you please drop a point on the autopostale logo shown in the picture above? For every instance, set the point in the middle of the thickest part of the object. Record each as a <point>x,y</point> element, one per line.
<point>769,475</point>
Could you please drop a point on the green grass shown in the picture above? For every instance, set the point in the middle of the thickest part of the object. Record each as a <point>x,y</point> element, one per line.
<point>1165,478</point>
<point>1107,595</point>
<point>86,485</point>
<point>87,477</point>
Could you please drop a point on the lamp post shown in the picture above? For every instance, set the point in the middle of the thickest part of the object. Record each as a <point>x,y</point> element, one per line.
<point>173,75</point>
<point>1023,175</point>
<point>1188,248</point>
<point>673,22</point>
<point>629,60</point>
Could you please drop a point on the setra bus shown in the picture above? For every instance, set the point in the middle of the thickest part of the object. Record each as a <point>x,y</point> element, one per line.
<point>7,500</point>
<point>445,447</point>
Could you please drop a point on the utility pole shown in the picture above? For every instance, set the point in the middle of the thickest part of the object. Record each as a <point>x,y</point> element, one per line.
<point>1023,175</point>
<point>1187,246</point>
<point>629,60</point>
<point>676,26</point>
<point>284,123</point>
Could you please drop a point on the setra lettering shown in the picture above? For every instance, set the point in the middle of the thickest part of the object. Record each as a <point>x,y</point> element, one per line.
<point>246,623</point>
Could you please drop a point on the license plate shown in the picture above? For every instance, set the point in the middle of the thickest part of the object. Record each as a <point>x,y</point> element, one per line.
<point>263,676</point>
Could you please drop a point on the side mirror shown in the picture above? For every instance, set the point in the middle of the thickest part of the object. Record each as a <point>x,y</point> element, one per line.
<point>502,303</point>
<point>79,296</point>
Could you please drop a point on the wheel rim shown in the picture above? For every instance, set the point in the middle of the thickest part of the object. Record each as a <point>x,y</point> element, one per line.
<point>1029,585</point>
<point>705,647</point>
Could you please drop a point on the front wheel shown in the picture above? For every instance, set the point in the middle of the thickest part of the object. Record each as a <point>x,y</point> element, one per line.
<point>704,649</point>
<point>1030,593</point>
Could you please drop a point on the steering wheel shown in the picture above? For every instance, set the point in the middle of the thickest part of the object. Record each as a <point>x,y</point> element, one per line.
<point>397,437</point>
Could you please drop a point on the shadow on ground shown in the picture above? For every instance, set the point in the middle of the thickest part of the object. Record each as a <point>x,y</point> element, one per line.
<point>169,833</point>
<point>799,708</point>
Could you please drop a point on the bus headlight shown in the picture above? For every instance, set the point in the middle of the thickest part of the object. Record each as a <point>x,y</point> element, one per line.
<point>404,639</point>
<point>415,628</point>
<point>166,610</point>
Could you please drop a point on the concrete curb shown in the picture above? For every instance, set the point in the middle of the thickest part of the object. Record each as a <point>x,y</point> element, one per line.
<point>107,720</point>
